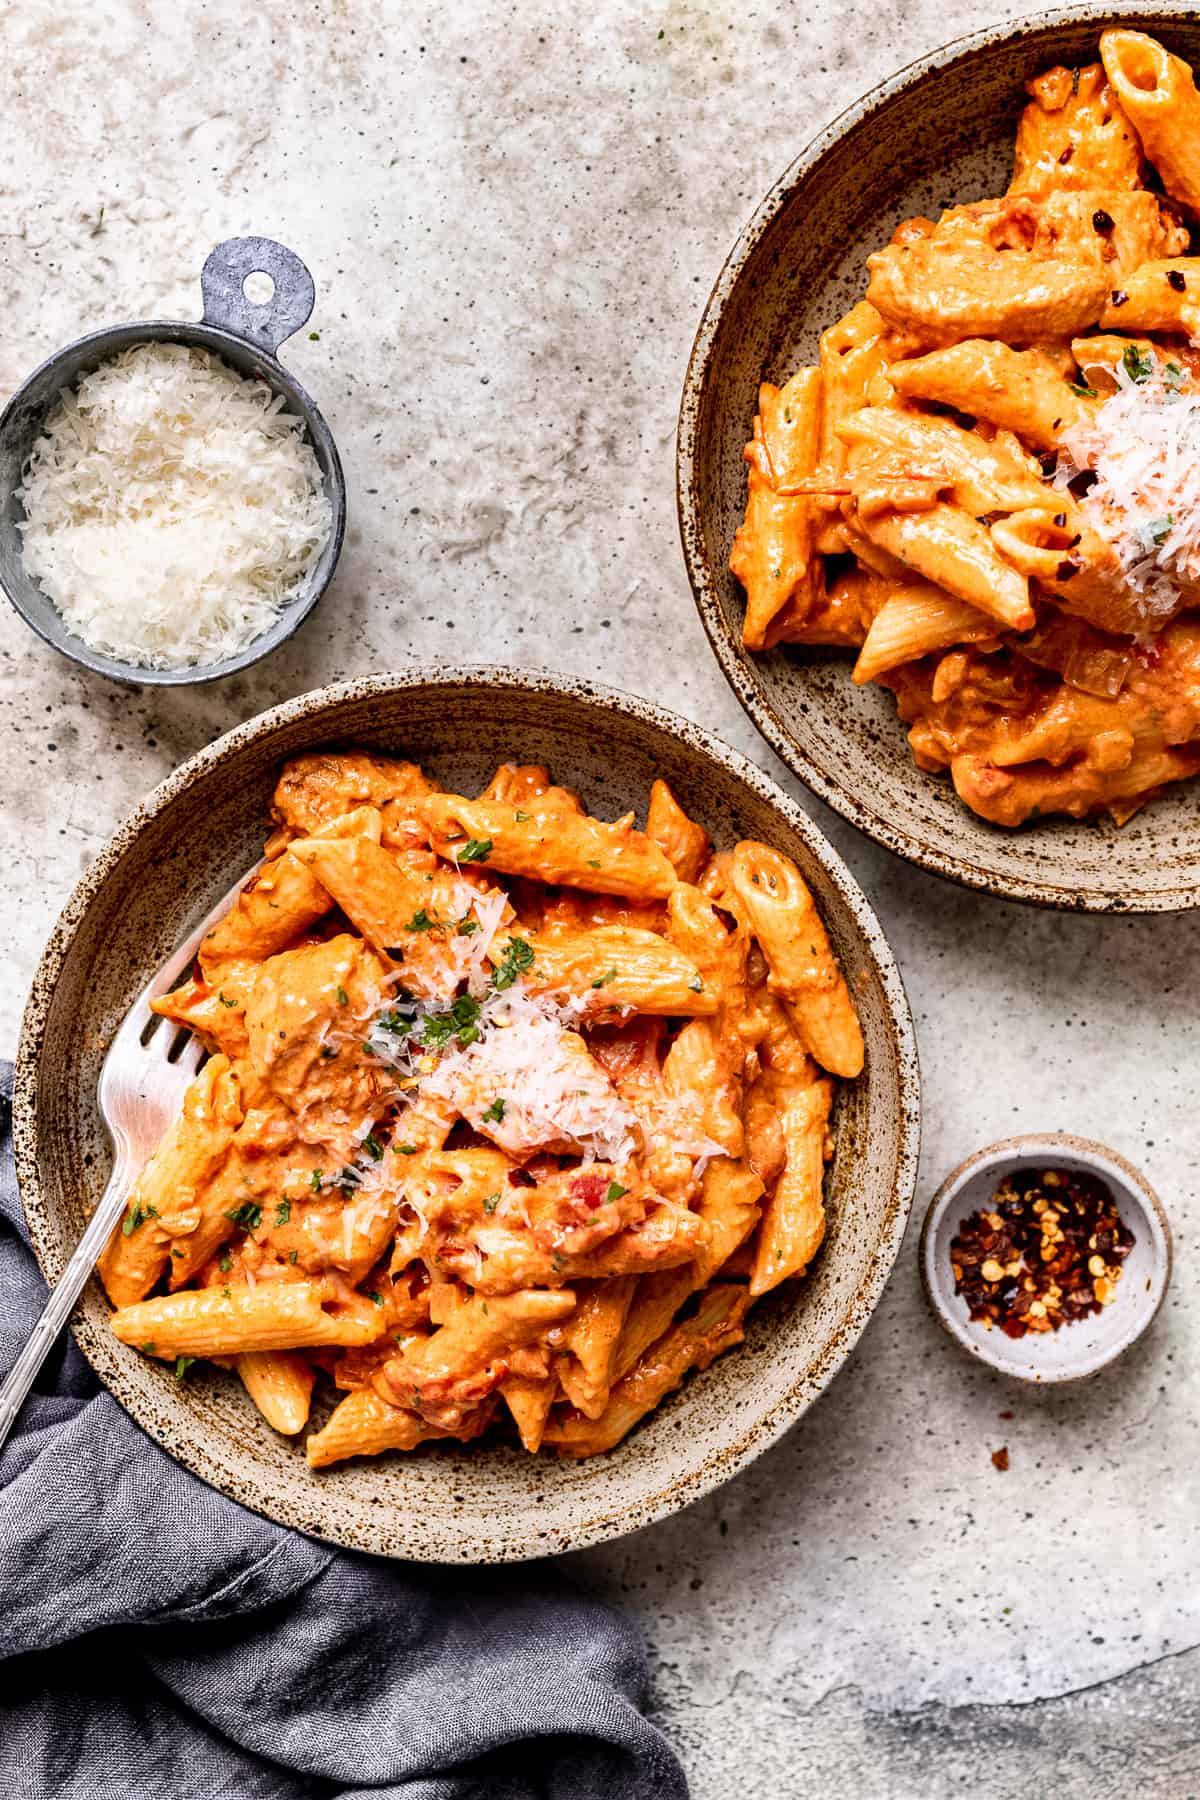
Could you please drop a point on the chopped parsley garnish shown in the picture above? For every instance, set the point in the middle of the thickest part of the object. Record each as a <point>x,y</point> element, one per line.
<point>148,1347</point>
<point>495,1111</point>
<point>405,1149</point>
<point>1159,529</point>
<point>225,1264</point>
<point>615,1192</point>
<point>558,1260</point>
<point>292,1255</point>
<point>518,956</point>
<point>475,850</point>
<point>137,1215</point>
<point>225,1002</point>
<point>461,1022</point>
<point>316,1178</point>
<point>343,998</point>
<point>376,1299</point>
<point>491,1203</point>
<point>249,1215</point>
<point>520,816</point>
<point>176,1251</point>
<point>1082,389</point>
<point>373,1147</point>
<point>593,862</point>
<point>1138,364</point>
<point>1174,376</point>
<point>603,980</point>
<point>421,921</point>
<point>283,1212</point>
<point>182,1365</point>
<point>466,927</point>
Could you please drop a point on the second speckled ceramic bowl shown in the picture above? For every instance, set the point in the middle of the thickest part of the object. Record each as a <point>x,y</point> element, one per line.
<point>938,132</point>
<point>169,864</point>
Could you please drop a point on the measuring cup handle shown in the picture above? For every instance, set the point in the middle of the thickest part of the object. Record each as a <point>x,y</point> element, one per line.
<point>267,324</point>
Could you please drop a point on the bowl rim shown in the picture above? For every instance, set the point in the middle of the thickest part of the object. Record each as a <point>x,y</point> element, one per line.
<point>746,1441</point>
<point>293,613</point>
<point>739,669</point>
<point>1015,1152</point>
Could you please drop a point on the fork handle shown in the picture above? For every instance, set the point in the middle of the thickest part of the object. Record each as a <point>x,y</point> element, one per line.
<point>64,1294</point>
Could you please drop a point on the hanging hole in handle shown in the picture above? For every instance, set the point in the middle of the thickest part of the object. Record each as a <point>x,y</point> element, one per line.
<point>259,288</point>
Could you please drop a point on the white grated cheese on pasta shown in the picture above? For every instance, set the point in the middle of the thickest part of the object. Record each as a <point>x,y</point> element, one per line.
<point>1143,446</point>
<point>171,507</point>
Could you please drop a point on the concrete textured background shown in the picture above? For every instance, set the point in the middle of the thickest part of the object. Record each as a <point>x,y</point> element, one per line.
<point>514,214</point>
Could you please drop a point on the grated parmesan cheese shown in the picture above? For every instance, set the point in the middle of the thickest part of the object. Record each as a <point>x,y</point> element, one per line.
<point>171,507</point>
<point>1143,446</point>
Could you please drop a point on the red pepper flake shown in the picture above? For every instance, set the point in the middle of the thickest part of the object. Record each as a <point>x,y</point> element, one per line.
<point>1000,1458</point>
<point>1067,154</point>
<point>1065,570</point>
<point>1102,222</point>
<point>1118,297</point>
<point>1008,1415</point>
<point>1177,280</point>
<point>1046,1252</point>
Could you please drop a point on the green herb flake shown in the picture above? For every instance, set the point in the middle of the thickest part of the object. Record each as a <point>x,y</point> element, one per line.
<point>421,921</point>
<point>225,1002</point>
<point>405,1149</point>
<point>373,1297</point>
<point>182,1365</point>
<point>593,862</point>
<point>466,927</point>
<point>1083,390</point>
<point>475,850</point>
<point>520,817</point>
<point>518,956</point>
<point>225,1264</point>
<point>615,1192</point>
<point>373,1147</point>
<point>283,1212</point>
<point>148,1347</point>
<point>1160,529</point>
<point>226,1293</point>
<point>1174,376</point>
<point>292,1255</point>
<point>137,1215</point>
<point>490,1204</point>
<point>316,1178</point>
<point>495,1112</point>
<point>460,1023</point>
<point>343,998</point>
<point>176,1251</point>
<point>1138,364</point>
<point>603,980</point>
<point>483,1307</point>
<point>248,1215</point>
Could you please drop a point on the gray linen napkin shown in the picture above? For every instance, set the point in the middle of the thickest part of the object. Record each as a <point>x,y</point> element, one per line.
<point>161,1642</point>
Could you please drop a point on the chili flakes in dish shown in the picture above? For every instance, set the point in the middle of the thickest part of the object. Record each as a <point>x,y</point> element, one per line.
<point>1047,1251</point>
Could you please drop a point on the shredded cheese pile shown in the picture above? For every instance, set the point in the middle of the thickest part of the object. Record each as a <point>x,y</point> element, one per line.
<point>171,507</point>
<point>1143,446</point>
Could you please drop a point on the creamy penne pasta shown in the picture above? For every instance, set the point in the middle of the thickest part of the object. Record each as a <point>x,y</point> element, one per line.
<point>997,504</point>
<point>497,1091</point>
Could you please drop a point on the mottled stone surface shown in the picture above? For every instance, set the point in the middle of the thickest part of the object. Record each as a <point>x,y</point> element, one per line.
<point>513,222</point>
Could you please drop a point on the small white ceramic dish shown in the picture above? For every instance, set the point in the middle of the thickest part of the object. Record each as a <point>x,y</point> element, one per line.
<point>1087,1345</point>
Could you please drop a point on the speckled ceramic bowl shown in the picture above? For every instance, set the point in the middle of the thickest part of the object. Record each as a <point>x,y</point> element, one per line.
<point>938,132</point>
<point>1081,1349</point>
<point>173,859</point>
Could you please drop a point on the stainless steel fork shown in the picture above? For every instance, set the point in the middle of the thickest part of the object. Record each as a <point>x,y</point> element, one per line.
<point>142,1082</point>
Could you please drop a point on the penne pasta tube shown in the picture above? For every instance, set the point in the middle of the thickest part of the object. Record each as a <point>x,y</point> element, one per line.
<point>793,1220</point>
<point>278,904</point>
<point>275,1315</point>
<point>166,1204</point>
<point>917,620</point>
<point>691,1344</point>
<point>955,552</point>
<point>548,843</point>
<point>611,968</point>
<point>529,1399</point>
<point>513,784</point>
<point>1073,134</point>
<point>685,844</point>
<point>588,1348</point>
<point>1158,96</point>
<point>774,555</point>
<point>802,968</point>
<point>1160,296</point>
<point>1021,391</point>
<point>365,1425</point>
<point>280,1384</point>
<point>944,293</point>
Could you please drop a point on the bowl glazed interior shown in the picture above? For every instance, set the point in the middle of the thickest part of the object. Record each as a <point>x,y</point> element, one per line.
<point>938,133</point>
<point>171,862</point>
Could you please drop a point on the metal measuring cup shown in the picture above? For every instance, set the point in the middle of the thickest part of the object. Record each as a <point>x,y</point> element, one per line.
<point>246,335</point>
